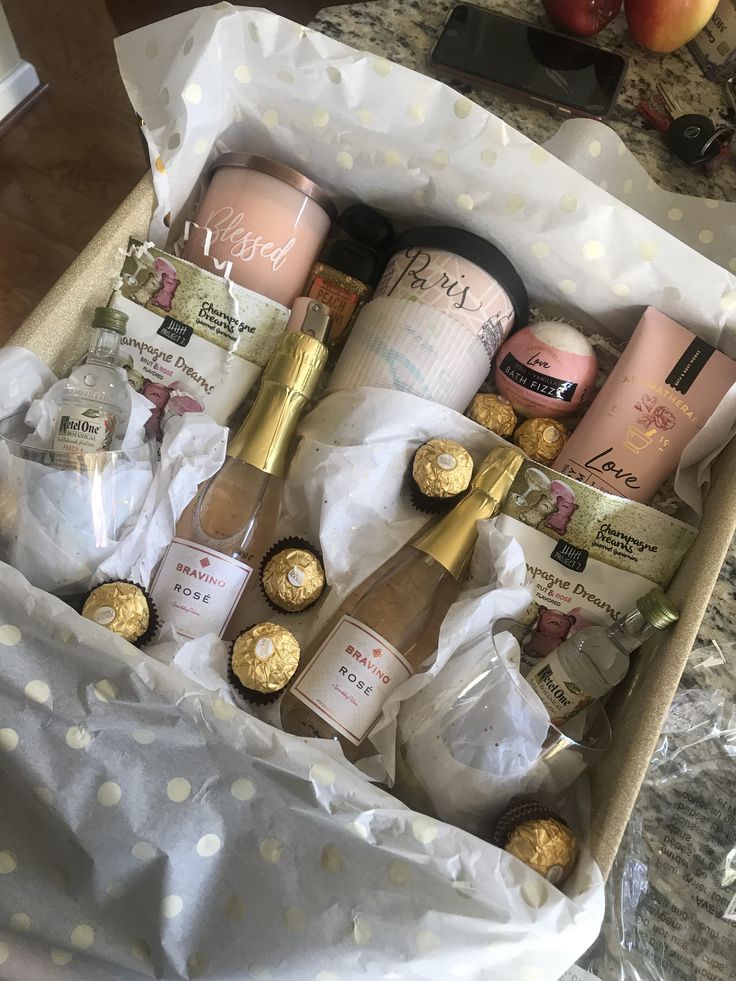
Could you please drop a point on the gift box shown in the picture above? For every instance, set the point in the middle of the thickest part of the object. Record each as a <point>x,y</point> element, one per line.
<point>414,148</point>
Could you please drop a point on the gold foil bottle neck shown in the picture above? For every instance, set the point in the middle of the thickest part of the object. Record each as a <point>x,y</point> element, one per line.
<point>288,382</point>
<point>297,362</point>
<point>451,540</point>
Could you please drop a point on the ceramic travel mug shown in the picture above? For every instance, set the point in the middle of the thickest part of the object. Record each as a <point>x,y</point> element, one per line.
<point>445,303</point>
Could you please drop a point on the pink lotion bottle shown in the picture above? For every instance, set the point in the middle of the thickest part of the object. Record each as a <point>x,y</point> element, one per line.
<point>662,391</point>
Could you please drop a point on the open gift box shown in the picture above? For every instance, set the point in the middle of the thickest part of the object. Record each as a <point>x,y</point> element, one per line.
<point>371,130</point>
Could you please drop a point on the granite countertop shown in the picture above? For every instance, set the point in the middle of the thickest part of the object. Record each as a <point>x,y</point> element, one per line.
<point>403,31</point>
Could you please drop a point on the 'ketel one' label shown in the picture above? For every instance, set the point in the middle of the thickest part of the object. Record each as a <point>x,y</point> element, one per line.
<point>197,589</point>
<point>84,430</point>
<point>561,697</point>
<point>350,677</point>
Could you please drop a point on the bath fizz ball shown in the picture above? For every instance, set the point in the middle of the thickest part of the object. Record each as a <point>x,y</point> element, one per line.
<point>546,369</point>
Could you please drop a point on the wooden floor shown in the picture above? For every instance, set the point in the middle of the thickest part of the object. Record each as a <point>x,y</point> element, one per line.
<point>72,158</point>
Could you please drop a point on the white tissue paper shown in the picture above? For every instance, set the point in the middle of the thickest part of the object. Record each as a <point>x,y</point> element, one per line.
<point>195,841</point>
<point>597,152</point>
<point>68,529</point>
<point>246,80</point>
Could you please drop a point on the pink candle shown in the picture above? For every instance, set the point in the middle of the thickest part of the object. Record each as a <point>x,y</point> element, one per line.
<point>265,221</point>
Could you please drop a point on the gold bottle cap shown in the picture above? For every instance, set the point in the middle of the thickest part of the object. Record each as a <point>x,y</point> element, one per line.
<point>658,609</point>
<point>541,439</point>
<point>451,540</point>
<point>110,318</point>
<point>545,845</point>
<point>265,657</point>
<point>293,579</point>
<point>122,607</point>
<point>442,468</point>
<point>494,412</point>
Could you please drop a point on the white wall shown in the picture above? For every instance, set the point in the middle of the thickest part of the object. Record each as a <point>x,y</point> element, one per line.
<point>18,78</point>
<point>9,56</point>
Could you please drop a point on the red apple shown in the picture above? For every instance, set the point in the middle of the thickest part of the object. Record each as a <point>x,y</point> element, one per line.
<point>664,25</point>
<point>584,17</point>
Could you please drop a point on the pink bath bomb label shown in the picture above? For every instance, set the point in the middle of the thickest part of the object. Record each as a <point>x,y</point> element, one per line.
<point>540,378</point>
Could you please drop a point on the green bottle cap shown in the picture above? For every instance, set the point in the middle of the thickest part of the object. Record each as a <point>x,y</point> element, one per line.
<point>108,318</point>
<point>657,608</point>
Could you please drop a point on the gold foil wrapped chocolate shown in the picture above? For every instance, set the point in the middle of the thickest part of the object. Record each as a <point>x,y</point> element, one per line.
<point>541,439</point>
<point>122,607</point>
<point>442,468</point>
<point>545,845</point>
<point>293,579</point>
<point>494,412</point>
<point>264,658</point>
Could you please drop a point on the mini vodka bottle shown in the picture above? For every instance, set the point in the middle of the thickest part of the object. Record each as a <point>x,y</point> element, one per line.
<point>594,660</point>
<point>96,395</point>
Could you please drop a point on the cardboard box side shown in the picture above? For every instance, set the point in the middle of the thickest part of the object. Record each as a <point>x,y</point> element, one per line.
<point>638,709</point>
<point>640,705</point>
<point>84,286</point>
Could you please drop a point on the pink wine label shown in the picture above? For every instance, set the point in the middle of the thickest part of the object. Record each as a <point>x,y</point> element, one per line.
<point>350,677</point>
<point>197,589</point>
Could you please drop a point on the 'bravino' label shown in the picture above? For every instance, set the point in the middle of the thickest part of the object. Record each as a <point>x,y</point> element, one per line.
<point>350,677</point>
<point>197,589</point>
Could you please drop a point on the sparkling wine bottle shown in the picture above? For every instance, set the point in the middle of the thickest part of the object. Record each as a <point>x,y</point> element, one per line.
<point>387,628</point>
<point>96,395</point>
<point>225,531</point>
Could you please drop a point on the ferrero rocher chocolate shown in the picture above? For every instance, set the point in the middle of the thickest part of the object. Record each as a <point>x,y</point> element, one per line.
<point>541,439</point>
<point>122,607</point>
<point>494,412</point>
<point>293,579</point>
<point>442,468</point>
<point>545,845</point>
<point>264,659</point>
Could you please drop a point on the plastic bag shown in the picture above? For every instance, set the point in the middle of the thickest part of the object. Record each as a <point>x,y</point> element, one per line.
<point>671,894</point>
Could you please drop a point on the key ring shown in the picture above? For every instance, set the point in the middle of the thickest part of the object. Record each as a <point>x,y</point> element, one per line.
<point>721,132</point>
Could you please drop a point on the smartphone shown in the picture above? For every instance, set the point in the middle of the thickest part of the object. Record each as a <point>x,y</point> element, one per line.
<point>495,51</point>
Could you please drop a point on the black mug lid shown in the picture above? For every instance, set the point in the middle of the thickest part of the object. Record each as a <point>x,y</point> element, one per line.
<point>476,250</point>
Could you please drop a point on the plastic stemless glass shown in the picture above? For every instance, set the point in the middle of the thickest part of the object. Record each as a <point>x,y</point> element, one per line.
<point>63,514</point>
<point>588,733</point>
